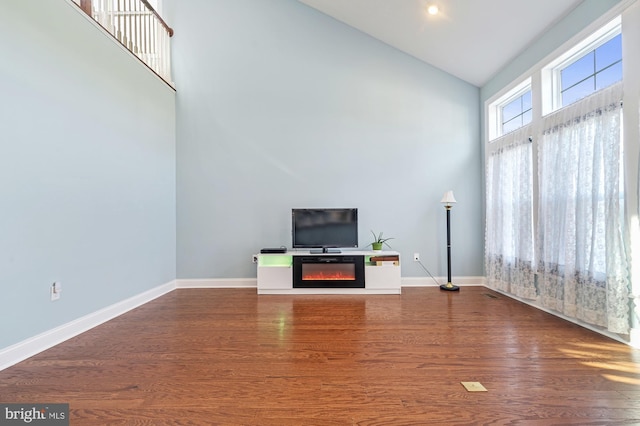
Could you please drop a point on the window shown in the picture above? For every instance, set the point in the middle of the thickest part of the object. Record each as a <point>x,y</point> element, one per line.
<point>510,111</point>
<point>596,70</point>
<point>516,113</point>
<point>554,185</point>
<point>591,65</point>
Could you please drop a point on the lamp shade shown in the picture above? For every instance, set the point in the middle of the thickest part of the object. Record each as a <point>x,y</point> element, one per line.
<point>448,198</point>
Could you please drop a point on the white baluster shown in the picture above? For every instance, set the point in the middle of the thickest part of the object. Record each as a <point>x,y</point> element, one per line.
<point>137,28</point>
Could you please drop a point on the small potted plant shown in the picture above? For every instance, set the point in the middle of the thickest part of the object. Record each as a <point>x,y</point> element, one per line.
<point>378,241</point>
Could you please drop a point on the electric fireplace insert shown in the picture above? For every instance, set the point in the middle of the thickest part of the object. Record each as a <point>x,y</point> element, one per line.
<point>324,271</point>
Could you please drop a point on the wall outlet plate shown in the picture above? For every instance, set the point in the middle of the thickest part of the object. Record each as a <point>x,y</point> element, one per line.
<point>55,290</point>
<point>416,257</point>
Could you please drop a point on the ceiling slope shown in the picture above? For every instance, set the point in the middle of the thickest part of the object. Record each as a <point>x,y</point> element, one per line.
<point>470,39</point>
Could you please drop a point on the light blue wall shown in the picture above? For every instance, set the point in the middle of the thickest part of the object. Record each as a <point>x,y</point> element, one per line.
<point>87,170</point>
<point>280,106</point>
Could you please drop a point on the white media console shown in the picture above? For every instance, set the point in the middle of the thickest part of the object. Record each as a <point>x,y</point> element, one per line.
<point>347,272</point>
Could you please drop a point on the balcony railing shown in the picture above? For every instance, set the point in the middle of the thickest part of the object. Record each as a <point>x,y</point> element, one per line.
<point>138,27</point>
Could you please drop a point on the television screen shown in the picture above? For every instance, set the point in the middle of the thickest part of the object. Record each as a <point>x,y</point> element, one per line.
<point>320,228</point>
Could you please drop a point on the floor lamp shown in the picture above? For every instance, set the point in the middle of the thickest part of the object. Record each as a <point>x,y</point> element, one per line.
<point>448,200</point>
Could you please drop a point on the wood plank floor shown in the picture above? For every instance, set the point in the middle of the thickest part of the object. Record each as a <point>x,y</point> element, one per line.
<point>231,357</point>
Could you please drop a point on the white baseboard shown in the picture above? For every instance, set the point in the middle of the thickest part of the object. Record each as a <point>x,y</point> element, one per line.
<point>13,354</point>
<point>218,283</point>
<point>428,282</point>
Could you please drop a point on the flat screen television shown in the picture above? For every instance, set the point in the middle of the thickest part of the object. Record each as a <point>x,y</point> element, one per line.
<point>324,228</point>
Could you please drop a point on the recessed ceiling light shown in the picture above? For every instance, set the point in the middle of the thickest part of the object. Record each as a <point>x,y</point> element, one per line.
<point>432,10</point>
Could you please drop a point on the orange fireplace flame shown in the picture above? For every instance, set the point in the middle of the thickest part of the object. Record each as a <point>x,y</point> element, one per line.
<point>329,276</point>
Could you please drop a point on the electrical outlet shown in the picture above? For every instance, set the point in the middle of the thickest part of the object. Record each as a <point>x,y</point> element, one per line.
<point>416,257</point>
<point>254,259</point>
<point>55,290</point>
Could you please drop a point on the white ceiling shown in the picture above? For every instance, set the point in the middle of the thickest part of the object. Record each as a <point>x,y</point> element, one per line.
<point>470,39</point>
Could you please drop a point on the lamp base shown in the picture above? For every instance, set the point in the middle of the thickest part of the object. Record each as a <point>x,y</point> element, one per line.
<point>449,287</point>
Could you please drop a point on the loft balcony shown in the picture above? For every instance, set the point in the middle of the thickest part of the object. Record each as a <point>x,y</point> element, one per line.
<point>137,25</point>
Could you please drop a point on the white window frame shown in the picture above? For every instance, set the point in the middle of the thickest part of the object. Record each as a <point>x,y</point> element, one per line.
<point>551,74</point>
<point>495,108</point>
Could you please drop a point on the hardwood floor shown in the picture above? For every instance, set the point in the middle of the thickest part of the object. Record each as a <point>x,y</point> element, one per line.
<point>229,356</point>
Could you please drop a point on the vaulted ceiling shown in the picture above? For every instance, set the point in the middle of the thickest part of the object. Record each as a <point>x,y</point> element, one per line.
<point>470,39</point>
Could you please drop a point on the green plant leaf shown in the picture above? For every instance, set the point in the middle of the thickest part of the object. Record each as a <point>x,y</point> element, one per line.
<point>378,238</point>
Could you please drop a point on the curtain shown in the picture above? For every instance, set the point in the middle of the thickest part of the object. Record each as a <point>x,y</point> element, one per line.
<point>509,223</point>
<point>582,261</point>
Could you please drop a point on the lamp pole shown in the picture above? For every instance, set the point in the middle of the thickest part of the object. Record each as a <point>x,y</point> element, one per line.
<point>448,199</point>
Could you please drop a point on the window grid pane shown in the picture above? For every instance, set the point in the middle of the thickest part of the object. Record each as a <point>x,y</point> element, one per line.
<point>511,110</point>
<point>596,70</point>
<point>609,75</point>
<point>512,125</point>
<point>578,91</point>
<point>526,101</point>
<point>516,113</point>
<point>577,71</point>
<point>609,53</point>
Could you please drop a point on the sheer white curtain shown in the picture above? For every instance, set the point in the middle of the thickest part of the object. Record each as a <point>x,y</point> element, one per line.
<point>509,223</point>
<point>582,261</point>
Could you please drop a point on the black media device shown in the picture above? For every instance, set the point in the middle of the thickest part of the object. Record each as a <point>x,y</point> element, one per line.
<point>324,229</point>
<point>274,250</point>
